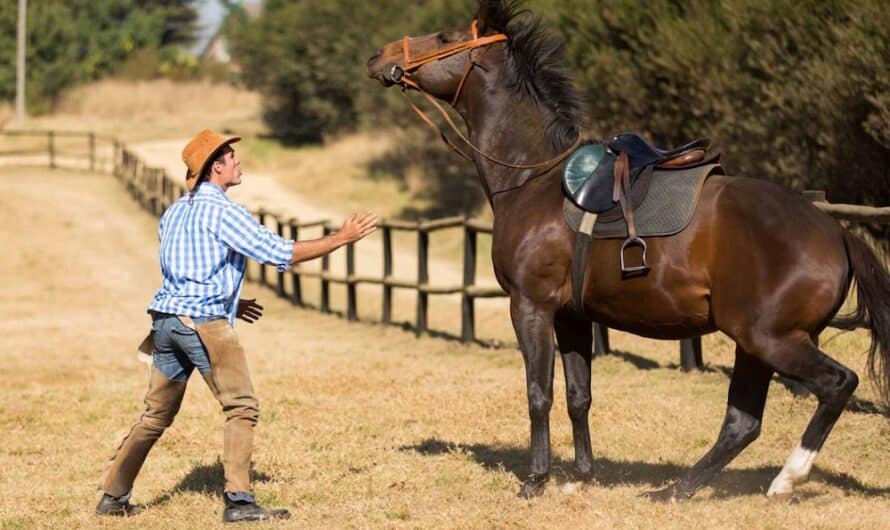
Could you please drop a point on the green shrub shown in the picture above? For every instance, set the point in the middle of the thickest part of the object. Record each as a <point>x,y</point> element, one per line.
<point>81,40</point>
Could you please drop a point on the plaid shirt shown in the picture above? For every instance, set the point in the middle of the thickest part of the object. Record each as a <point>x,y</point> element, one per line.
<point>205,241</point>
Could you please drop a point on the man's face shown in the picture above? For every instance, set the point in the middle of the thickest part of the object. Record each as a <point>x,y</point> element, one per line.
<point>228,172</point>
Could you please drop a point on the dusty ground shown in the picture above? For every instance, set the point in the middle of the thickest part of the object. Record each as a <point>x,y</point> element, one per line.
<point>364,426</point>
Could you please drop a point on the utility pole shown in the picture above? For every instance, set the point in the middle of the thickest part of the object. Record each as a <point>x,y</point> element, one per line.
<point>20,68</point>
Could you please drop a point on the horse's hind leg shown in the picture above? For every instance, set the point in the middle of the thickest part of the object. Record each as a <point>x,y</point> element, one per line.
<point>575,339</point>
<point>831,382</point>
<point>741,426</point>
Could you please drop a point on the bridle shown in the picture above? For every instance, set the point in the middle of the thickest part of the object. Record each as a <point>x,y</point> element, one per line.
<point>401,74</point>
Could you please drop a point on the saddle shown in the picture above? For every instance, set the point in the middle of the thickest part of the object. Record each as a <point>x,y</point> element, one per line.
<point>613,179</point>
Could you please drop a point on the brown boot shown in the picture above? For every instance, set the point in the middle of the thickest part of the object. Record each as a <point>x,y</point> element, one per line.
<point>161,405</point>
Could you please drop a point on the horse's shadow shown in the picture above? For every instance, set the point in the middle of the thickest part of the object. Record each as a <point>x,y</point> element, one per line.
<point>855,405</point>
<point>609,473</point>
<point>206,479</point>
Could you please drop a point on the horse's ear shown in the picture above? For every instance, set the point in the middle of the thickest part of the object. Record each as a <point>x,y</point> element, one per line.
<point>485,15</point>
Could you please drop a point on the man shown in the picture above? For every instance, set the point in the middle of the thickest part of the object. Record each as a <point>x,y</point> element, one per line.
<point>205,242</point>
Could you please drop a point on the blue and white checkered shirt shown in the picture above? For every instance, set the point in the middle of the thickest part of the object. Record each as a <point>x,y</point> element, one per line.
<point>204,243</point>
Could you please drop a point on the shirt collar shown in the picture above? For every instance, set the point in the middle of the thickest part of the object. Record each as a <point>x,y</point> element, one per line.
<point>209,188</point>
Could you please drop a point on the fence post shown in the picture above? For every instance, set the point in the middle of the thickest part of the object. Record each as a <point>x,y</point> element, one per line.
<point>690,354</point>
<point>325,284</point>
<point>116,159</point>
<point>280,229</point>
<point>51,148</point>
<point>92,151</point>
<point>297,292</point>
<point>423,240</point>
<point>468,314</point>
<point>158,186</point>
<point>261,215</point>
<point>600,339</point>
<point>351,309</point>
<point>165,185</point>
<point>387,275</point>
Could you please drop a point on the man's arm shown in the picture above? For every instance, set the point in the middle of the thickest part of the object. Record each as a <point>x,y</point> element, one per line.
<point>354,228</point>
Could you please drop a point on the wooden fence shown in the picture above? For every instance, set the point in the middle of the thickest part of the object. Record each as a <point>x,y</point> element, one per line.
<point>155,191</point>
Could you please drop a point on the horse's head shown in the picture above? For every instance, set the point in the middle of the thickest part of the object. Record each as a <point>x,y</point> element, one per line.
<point>439,63</point>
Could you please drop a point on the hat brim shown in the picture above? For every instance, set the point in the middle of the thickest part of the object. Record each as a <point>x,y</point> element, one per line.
<point>191,179</point>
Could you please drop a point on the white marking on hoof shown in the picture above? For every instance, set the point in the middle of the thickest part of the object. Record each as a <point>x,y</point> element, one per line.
<point>570,488</point>
<point>796,470</point>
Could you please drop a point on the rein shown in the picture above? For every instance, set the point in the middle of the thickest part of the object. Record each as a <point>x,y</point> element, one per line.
<point>406,82</point>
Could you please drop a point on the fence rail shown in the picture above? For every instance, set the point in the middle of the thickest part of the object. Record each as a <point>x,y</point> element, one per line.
<point>155,191</point>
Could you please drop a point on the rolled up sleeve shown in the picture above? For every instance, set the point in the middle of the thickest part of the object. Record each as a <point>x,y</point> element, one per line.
<point>242,233</point>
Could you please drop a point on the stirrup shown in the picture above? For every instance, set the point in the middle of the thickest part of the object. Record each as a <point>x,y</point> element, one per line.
<point>638,242</point>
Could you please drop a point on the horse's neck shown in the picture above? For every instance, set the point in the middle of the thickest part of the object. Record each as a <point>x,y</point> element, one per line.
<point>508,127</point>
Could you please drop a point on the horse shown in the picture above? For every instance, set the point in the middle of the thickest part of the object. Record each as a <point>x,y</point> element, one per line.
<point>757,262</point>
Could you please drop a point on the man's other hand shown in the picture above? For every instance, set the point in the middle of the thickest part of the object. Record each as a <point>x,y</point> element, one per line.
<point>248,310</point>
<point>358,226</point>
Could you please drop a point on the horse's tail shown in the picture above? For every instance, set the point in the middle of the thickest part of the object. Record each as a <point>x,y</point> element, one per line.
<point>872,309</point>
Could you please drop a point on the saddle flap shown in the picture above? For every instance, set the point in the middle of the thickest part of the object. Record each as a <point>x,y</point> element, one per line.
<point>588,177</point>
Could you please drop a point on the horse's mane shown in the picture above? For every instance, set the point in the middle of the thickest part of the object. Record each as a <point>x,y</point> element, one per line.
<point>537,61</point>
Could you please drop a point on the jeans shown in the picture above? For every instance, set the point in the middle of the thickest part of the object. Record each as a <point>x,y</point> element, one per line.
<point>178,350</point>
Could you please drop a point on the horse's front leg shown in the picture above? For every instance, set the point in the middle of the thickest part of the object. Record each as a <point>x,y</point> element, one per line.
<point>534,329</point>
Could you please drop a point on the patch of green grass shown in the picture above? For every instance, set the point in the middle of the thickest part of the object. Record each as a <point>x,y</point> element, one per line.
<point>16,523</point>
<point>400,514</point>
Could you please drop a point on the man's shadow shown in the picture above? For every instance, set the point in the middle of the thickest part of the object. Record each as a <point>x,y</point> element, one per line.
<point>608,473</point>
<point>205,479</point>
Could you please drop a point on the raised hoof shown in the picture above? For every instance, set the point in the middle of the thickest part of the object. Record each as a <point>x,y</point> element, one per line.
<point>668,494</point>
<point>533,486</point>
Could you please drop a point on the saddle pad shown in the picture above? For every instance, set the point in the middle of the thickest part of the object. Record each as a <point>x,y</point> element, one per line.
<point>667,209</point>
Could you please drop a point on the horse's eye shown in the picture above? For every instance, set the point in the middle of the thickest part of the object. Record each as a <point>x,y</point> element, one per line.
<point>441,38</point>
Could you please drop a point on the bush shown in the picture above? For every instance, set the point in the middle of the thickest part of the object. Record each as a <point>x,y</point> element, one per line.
<point>795,92</point>
<point>81,40</point>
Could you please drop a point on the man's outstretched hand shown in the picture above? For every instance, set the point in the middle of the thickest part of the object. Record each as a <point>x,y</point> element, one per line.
<point>248,310</point>
<point>358,226</point>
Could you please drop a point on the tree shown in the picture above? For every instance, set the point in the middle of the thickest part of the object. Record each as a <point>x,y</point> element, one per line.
<point>81,40</point>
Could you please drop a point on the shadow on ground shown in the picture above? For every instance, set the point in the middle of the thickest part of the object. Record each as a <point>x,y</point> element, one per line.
<point>205,479</point>
<point>855,405</point>
<point>610,473</point>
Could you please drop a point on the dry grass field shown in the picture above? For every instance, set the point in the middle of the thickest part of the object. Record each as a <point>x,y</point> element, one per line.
<point>364,426</point>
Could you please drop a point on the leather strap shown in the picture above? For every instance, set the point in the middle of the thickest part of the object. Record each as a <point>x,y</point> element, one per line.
<point>410,64</point>
<point>583,238</point>
<point>621,192</point>
<point>476,42</point>
<point>410,83</point>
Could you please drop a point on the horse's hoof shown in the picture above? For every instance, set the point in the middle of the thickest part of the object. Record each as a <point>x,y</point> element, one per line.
<point>533,486</point>
<point>668,494</point>
<point>784,498</point>
<point>586,477</point>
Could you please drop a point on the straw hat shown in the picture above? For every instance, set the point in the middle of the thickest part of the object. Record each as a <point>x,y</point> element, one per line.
<point>199,151</point>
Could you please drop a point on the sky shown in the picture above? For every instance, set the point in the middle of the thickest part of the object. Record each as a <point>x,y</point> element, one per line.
<point>210,16</point>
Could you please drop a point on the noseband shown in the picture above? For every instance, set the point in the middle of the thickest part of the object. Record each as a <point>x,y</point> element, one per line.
<point>401,75</point>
